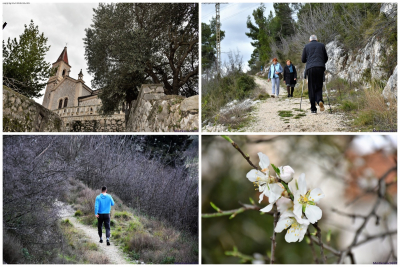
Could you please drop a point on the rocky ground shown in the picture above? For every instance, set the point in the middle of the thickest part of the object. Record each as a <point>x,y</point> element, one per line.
<point>283,115</point>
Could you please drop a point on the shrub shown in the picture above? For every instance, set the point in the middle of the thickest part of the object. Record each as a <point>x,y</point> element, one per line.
<point>12,249</point>
<point>168,260</point>
<point>78,213</point>
<point>66,222</point>
<point>348,105</point>
<point>141,241</point>
<point>122,214</point>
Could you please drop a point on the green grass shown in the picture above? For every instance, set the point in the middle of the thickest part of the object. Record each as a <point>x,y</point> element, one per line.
<point>122,214</point>
<point>298,116</point>
<point>285,113</point>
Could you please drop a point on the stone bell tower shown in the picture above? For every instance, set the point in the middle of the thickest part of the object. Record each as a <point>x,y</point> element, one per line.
<point>62,70</point>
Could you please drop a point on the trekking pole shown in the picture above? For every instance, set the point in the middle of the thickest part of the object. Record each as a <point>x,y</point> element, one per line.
<point>327,95</point>
<point>301,99</point>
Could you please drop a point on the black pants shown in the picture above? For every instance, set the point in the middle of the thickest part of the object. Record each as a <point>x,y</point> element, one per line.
<point>106,219</point>
<point>315,83</point>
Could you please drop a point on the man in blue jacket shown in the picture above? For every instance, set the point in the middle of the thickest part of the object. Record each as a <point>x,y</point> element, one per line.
<point>314,54</point>
<point>102,209</point>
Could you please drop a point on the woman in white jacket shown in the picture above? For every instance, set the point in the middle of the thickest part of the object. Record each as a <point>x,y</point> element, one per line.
<point>273,75</point>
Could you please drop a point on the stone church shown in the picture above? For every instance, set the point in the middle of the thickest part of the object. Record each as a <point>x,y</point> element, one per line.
<point>75,102</point>
<point>63,91</point>
<point>69,105</point>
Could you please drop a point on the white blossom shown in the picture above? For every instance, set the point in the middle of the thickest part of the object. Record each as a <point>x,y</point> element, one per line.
<point>297,227</point>
<point>305,201</point>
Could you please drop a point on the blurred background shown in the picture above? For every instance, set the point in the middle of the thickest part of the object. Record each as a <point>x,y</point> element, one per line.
<point>346,168</point>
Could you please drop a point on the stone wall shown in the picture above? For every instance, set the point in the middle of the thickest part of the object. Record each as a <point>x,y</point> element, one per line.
<point>390,90</point>
<point>154,111</point>
<point>21,114</point>
<point>351,65</point>
<point>88,119</point>
<point>95,123</point>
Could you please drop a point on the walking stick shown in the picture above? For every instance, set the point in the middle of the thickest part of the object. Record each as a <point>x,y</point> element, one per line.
<point>301,99</point>
<point>327,95</point>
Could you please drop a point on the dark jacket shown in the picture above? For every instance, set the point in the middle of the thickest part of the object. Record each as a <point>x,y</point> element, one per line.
<point>305,75</point>
<point>288,77</point>
<point>314,54</point>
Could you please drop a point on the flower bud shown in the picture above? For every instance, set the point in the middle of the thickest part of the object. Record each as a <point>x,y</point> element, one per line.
<point>286,173</point>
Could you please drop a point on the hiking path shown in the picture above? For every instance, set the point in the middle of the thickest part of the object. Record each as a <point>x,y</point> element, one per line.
<point>113,253</point>
<point>283,115</point>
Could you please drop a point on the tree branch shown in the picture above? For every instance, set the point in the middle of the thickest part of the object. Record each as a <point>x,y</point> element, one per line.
<point>273,238</point>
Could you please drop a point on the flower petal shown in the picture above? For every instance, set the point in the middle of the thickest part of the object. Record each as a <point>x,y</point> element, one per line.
<point>252,175</point>
<point>297,208</point>
<point>291,236</point>
<point>302,184</point>
<point>302,231</point>
<point>316,194</point>
<point>276,190</point>
<point>287,214</point>
<point>261,197</point>
<point>267,208</point>
<point>284,204</point>
<point>283,224</point>
<point>313,213</point>
<point>264,161</point>
<point>301,220</point>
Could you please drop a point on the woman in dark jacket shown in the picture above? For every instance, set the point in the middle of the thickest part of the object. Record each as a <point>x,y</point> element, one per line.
<point>290,77</point>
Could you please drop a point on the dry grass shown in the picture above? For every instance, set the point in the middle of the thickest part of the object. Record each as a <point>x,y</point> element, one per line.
<point>377,113</point>
<point>235,118</point>
<point>77,249</point>
<point>143,238</point>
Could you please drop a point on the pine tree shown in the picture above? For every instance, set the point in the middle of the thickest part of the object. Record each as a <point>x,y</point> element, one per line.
<point>209,44</point>
<point>23,61</point>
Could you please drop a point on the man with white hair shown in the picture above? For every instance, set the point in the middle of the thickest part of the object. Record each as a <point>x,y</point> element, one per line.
<point>314,54</point>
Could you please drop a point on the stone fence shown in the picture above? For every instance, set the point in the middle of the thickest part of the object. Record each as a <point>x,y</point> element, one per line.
<point>153,111</point>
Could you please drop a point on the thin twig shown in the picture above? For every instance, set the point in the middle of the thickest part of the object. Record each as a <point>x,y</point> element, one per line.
<point>273,238</point>
<point>320,242</point>
<point>312,247</point>
<point>246,156</point>
<point>232,212</point>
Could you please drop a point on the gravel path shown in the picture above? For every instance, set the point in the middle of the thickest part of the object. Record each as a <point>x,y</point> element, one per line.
<point>267,118</point>
<point>113,253</point>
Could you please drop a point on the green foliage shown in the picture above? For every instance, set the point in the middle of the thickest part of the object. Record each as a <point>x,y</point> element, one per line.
<point>366,75</point>
<point>163,45</point>
<point>234,86</point>
<point>276,169</point>
<point>209,44</point>
<point>348,105</point>
<point>168,260</point>
<point>23,60</point>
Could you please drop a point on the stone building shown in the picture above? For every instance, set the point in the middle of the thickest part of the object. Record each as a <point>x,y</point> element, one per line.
<point>76,103</point>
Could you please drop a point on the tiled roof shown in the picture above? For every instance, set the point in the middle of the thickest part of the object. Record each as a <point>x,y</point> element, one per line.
<point>63,56</point>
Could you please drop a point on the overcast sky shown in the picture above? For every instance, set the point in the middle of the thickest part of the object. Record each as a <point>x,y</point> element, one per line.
<point>60,23</point>
<point>233,22</point>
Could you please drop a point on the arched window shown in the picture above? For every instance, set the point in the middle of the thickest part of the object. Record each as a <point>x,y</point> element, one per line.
<point>60,104</point>
<point>63,74</point>
<point>65,102</point>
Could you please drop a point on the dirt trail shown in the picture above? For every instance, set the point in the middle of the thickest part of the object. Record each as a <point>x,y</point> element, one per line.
<point>267,118</point>
<point>113,253</point>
